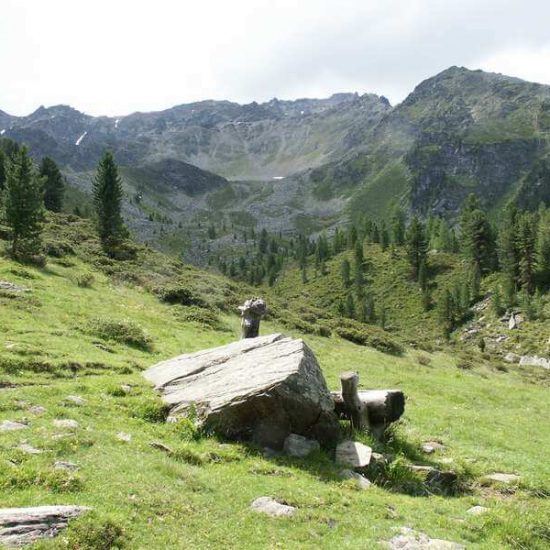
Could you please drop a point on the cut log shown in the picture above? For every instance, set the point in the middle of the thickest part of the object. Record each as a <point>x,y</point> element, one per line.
<point>252,313</point>
<point>261,389</point>
<point>22,526</point>
<point>374,410</point>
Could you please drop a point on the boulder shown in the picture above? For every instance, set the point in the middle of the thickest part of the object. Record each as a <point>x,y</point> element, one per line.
<point>511,358</point>
<point>300,446</point>
<point>430,447</point>
<point>22,526</point>
<point>353,454</point>
<point>262,389</point>
<point>75,400</point>
<point>361,482</point>
<point>269,506</point>
<point>477,510</point>
<point>534,361</point>
<point>65,423</point>
<point>10,426</point>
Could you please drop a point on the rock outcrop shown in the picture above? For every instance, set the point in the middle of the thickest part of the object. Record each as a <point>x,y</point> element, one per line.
<point>260,389</point>
<point>22,526</point>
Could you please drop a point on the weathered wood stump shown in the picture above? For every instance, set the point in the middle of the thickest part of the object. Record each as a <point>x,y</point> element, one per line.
<point>252,313</point>
<point>22,526</point>
<point>372,410</point>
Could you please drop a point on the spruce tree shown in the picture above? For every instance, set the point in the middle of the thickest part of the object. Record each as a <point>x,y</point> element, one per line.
<point>345,270</point>
<point>398,227</point>
<point>445,313</point>
<point>417,245</point>
<point>476,235</point>
<point>526,239</point>
<point>54,186</point>
<point>107,194</point>
<point>24,206</point>
<point>543,247</point>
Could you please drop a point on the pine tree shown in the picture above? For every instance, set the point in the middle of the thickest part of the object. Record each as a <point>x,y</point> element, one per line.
<point>345,270</point>
<point>417,245</point>
<point>507,246</point>
<point>423,276</point>
<point>476,235</point>
<point>384,236</point>
<point>358,267</point>
<point>54,186</point>
<point>398,227</point>
<point>445,313</point>
<point>107,193</point>
<point>543,247</point>
<point>24,206</point>
<point>526,239</point>
<point>350,306</point>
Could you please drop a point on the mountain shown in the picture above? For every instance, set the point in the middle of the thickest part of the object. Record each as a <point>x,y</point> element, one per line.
<point>309,164</point>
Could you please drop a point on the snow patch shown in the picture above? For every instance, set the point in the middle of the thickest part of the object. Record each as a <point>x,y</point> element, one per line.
<point>116,122</point>
<point>2,132</point>
<point>302,112</point>
<point>278,177</point>
<point>79,140</point>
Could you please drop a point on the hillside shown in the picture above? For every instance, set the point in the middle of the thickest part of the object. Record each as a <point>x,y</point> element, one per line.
<point>88,326</point>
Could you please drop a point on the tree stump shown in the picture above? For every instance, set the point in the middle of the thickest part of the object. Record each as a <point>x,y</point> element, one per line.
<point>372,410</point>
<point>252,313</point>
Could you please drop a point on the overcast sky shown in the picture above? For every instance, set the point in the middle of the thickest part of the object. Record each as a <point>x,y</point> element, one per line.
<point>113,57</point>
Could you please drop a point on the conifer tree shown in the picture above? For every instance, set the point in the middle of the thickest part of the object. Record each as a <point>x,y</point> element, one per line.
<point>543,247</point>
<point>350,306</point>
<point>526,239</point>
<point>445,313</point>
<point>24,206</point>
<point>476,235</point>
<point>345,270</point>
<point>54,186</point>
<point>398,227</point>
<point>107,193</point>
<point>417,245</point>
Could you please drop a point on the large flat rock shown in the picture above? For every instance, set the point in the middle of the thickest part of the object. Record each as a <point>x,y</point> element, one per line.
<point>22,526</point>
<point>258,388</point>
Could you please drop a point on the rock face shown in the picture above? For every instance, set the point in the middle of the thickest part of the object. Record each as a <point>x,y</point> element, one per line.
<point>261,389</point>
<point>22,526</point>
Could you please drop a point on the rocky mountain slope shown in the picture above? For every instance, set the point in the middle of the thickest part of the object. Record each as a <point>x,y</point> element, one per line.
<point>305,165</point>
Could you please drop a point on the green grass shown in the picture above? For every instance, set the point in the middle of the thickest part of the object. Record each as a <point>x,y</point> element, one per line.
<point>199,494</point>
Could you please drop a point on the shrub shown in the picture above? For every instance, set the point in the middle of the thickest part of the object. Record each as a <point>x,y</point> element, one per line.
<point>84,280</point>
<point>364,335</point>
<point>323,330</point>
<point>423,360</point>
<point>195,314</point>
<point>178,294</point>
<point>125,332</point>
<point>152,411</point>
<point>92,533</point>
<point>58,249</point>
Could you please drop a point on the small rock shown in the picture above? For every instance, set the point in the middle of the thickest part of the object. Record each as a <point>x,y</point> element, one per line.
<point>37,409</point>
<point>378,459</point>
<point>29,449</point>
<point>410,540</point>
<point>512,322</point>
<point>6,285</point>
<point>161,447</point>
<point>65,423</point>
<point>430,447</point>
<point>300,446</point>
<point>76,400</point>
<point>499,477</point>
<point>123,436</point>
<point>477,510</point>
<point>269,506</point>
<point>501,338</point>
<point>353,454</point>
<point>10,426</point>
<point>126,388</point>
<point>66,466</point>
<point>361,481</point>
<point>511,358</point>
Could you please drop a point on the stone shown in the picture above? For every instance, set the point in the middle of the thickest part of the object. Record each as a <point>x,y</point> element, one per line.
<point>513,322</point>
<point>269,506</point>
<point>23,526</point>
<point>29,449</point>
<point>498,477</point>
<point>534,361</point>
<point>65,423</point>
<point>37,409</point>
<point>500,339</point>
<point>10,426</point>
<point>430,447</point>
<point>126,388</point>
<point>353,454</point>
<point>6,285</point>
<point>262,389</point>
<point>300,446</point>
<point>75,400</point>
<point>252,312</point>
<point>511,358</point>
<point>411,540</point>
<point>436,480</point>
<point>123,436</point>
<point>360,481</point>
<point>65,466</point>
<point>477,510</point>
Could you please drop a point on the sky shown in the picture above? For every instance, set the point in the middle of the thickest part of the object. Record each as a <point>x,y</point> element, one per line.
<point>114,57</point>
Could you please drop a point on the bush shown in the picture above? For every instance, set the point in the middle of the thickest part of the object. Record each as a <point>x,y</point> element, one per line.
<point>152,411</point>
<point>364,335</point>
<point>195,314</point>
<point>58,249</point>
<point>92,533</point>
<point>423,360</point>
<point>125,332</point>
<point>178,294</point>
<point>84,280</point>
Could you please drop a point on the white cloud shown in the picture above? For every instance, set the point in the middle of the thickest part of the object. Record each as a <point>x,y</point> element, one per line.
<point>117,56</point>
